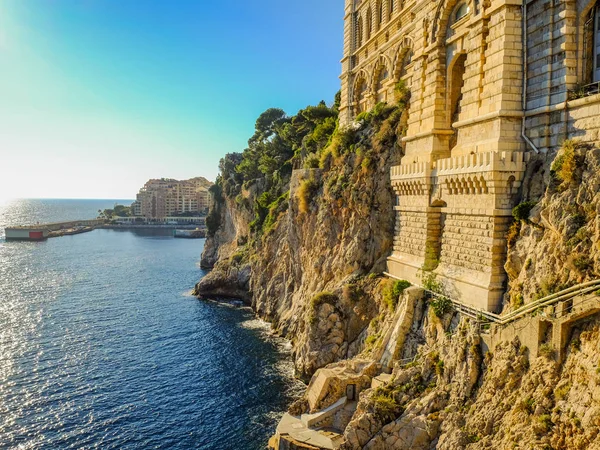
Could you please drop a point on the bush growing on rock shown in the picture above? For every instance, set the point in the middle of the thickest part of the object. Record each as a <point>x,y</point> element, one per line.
<point>385,405</point>
<point>307,190</point>
<point>522,210</point>
<point>546,350</point>
<point>321,298</point>
<point>352,293</point>
<point>565,167</point>
<point>392,290</point>
<point>441,305</point>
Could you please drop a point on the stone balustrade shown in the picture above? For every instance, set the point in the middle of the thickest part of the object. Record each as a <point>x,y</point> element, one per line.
<point>481,162</point>
<point>410,170</point>
<point>505,161</point>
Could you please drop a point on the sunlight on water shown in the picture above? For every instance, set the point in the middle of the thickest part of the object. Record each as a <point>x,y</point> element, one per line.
<point>99,346</point>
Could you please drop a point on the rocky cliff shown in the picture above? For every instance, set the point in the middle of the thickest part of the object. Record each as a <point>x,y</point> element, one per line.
<point>554,243</point>
<point>303,239</point>
<point>304,265</point>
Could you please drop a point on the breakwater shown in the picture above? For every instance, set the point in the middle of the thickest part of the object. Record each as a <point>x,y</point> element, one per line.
<point>41,231</point>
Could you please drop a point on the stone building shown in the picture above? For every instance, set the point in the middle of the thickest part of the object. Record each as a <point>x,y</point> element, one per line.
<point>164,197</point>
<point>491,82</point>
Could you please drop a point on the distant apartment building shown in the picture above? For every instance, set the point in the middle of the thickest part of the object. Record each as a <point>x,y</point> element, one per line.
<point>160,198</point>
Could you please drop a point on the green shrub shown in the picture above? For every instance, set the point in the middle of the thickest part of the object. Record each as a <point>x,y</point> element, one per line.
<point>322,298</point>
<point>307,190</point>
<point>575,345</point>
<point>565,166</point>
<point>548,286</point>
<point>545,422</point>
<point>238,257</point>
<point>473,438</point>
<point>513,233</point>
<point>402,93</point>
<point>352,293</point>
<point>387,137</point>
<point>518,301</point>
<point>278,207</point>
<point>385,406</point>
<point>582,235</point>
<point>366,163</point>
<point>311,162</point>
<point>371,341</point>
<point>547,351</point>
<point>441,305</point>
<point>522,210</point>
<point>583,263</point>
<point>325,159</point>
<point>561,392</point>
<point>439,368</point>
<point>527,405</point>
<point>392,290</point>
<point>213,221</point>
<point>578,220</point>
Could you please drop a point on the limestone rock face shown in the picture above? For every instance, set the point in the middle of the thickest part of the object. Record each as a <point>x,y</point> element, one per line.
<point>559,246</point>
<point>228,277</point>
<point>310,276</point>
<point>345,234</point>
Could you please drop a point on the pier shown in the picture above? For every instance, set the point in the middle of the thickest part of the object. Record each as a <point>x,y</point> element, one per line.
<point>42,231</point>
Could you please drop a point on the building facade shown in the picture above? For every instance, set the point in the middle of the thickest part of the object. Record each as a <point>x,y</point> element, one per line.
<point>491,82</point>
<point>161,198</point>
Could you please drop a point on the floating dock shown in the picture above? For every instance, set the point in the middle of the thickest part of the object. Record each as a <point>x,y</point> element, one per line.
<point>40,232</point>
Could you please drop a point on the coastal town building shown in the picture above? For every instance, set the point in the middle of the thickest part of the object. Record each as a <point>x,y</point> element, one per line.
<point>491,83</point>
<point>161,198</point>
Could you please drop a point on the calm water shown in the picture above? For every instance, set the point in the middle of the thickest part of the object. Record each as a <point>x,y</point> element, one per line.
<point>102,347</point>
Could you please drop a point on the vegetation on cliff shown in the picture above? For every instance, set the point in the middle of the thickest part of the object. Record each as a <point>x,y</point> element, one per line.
<point>301,225</point>
<point>307,208</point>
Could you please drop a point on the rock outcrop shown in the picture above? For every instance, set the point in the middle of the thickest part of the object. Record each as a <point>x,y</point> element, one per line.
<point>334,229</point>
<point>306,249</point>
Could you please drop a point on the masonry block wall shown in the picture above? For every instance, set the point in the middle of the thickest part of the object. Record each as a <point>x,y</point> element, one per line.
<point>489,81</point>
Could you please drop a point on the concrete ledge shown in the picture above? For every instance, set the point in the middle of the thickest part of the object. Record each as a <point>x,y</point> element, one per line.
<point>309,420</point>
<point>470,287</point>
<point>292,426</point>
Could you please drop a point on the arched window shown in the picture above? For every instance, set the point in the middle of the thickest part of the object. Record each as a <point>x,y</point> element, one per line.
<point>369,23</point>
<point>392,7</point>
<point>455,86</point>
<point>379,14</point>
<point>361,95</point>
<point>591,46</point>
<point>406,60</point>
<point>461,11</point>
<point>359,32</point>
<point>382,76</point>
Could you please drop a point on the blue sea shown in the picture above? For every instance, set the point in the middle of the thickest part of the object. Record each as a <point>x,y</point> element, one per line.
<point>102,346</point>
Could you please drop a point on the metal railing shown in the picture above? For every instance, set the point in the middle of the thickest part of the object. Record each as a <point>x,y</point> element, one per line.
<point>486,316</point>
<point>582,91</point>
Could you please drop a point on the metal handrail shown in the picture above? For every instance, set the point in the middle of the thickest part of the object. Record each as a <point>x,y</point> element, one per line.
<point>566,294</point>
<point>478,313</point>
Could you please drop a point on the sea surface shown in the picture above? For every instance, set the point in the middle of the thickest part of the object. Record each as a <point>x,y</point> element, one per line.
<point>102,346</point>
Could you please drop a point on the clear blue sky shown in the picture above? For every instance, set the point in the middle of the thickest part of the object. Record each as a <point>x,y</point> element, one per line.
<point>96,96</point>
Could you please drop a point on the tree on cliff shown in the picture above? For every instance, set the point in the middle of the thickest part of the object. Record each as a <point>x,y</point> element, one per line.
<point>279,144</point>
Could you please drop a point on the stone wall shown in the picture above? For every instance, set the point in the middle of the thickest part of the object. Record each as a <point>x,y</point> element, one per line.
<point>482,90</point>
